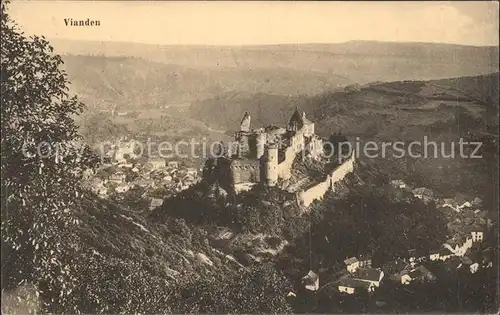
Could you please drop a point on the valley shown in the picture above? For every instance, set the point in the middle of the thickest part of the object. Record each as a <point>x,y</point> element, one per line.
<point>158,235</point>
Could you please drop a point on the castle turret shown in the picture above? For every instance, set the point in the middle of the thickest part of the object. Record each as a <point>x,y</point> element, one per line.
<point>245,122</point>
<point>271,165</point>
<point>261,144</point>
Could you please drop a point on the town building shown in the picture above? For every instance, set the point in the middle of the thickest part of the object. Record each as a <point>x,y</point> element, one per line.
<point>352,264</point>
<point>155,203</point>
<point>156,163</point>
<point>173,164</point>
<point>434,255</point>
<point>398,183</point>
<point>351,286</point>
<point>372,275</point>
<point>311,281</point>
<point>123,187</point>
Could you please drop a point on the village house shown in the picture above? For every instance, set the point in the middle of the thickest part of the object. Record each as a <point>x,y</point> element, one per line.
<point>311,281</point>
<point>419,273</point>
<point>125,165</point>
<point>180,186</point>
<point>102,191</point>
<point>458,245</point>
<point>398,183</point>
<point>117,177</point>
<point>469,264</point>
<point>477,233</point>
<point>434,255</point>
<point>394,268</point>
<point>144,183</point>
<point>372,275</point>
<point>191,171</point>
<point>188,179</point>
<point>412,256</point>
<point>173,164</point>
<point>351,286</point>
<point>460,202</point>
<point>485,257</point>
<point>155,203</point>
<point>450,203</point>
<point>97,182</point>
<point>121,188</point>
<point>352,264</point>
<point>453,264</point>
<point>123,151</point>
<point>445,254</point>
<point>88,173</point>
<point>167,178</point>
<point>477,202</point>
<point>156,163</point>
<point>365,261</point>
<point>173,171</point>
<point>425,194</point>
<point>422,274</point>
<point>404,277</point>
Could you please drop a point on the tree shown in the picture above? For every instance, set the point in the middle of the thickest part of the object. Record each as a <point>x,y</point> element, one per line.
<point>260,290</point>
<point>42,165</point>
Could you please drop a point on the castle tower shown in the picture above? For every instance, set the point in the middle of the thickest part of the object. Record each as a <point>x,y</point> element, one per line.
<point>271,165</point>
<point>261,144</point>
<point>245,122</point>
<point>309,125</point>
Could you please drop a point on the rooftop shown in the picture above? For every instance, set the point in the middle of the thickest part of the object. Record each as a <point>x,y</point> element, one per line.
<point>418,272</point>
<point>354,283</point>
<point>351,260</point>
<point>371,274</point>
<point>310,278</point>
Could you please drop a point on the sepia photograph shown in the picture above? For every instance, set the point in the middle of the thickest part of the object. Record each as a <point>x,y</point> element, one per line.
<point>249,157</point>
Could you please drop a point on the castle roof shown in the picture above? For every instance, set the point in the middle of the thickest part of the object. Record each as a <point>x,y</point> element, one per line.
<point>297,121</point>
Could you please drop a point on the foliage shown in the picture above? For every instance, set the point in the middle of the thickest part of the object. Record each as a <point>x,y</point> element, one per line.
<point>42,165</point>
<point>260,290</point>
<point>369,220</point>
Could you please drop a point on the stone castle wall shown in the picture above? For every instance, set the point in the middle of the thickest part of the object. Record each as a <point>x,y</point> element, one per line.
<point>285,167</point>
<point>306,197</point>
<point>316,192</point>
<point>297,146</point>
<point>243,171</point>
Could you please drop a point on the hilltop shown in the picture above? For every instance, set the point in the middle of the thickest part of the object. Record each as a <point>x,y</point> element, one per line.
<point>361,61</point>
<point>400,109</point>
<point>137,83</point>
<point>140,75</point>
<point>441,110</point>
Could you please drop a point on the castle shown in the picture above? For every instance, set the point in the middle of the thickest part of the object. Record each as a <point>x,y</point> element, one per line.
<point>264,155</point>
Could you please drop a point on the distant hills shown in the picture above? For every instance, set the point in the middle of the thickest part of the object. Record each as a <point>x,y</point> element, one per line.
<point>400,109</point>
<point>133,83</point>
<point>132,74</point>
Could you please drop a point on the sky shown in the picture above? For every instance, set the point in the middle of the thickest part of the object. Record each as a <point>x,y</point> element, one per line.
<point>260,23</point>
